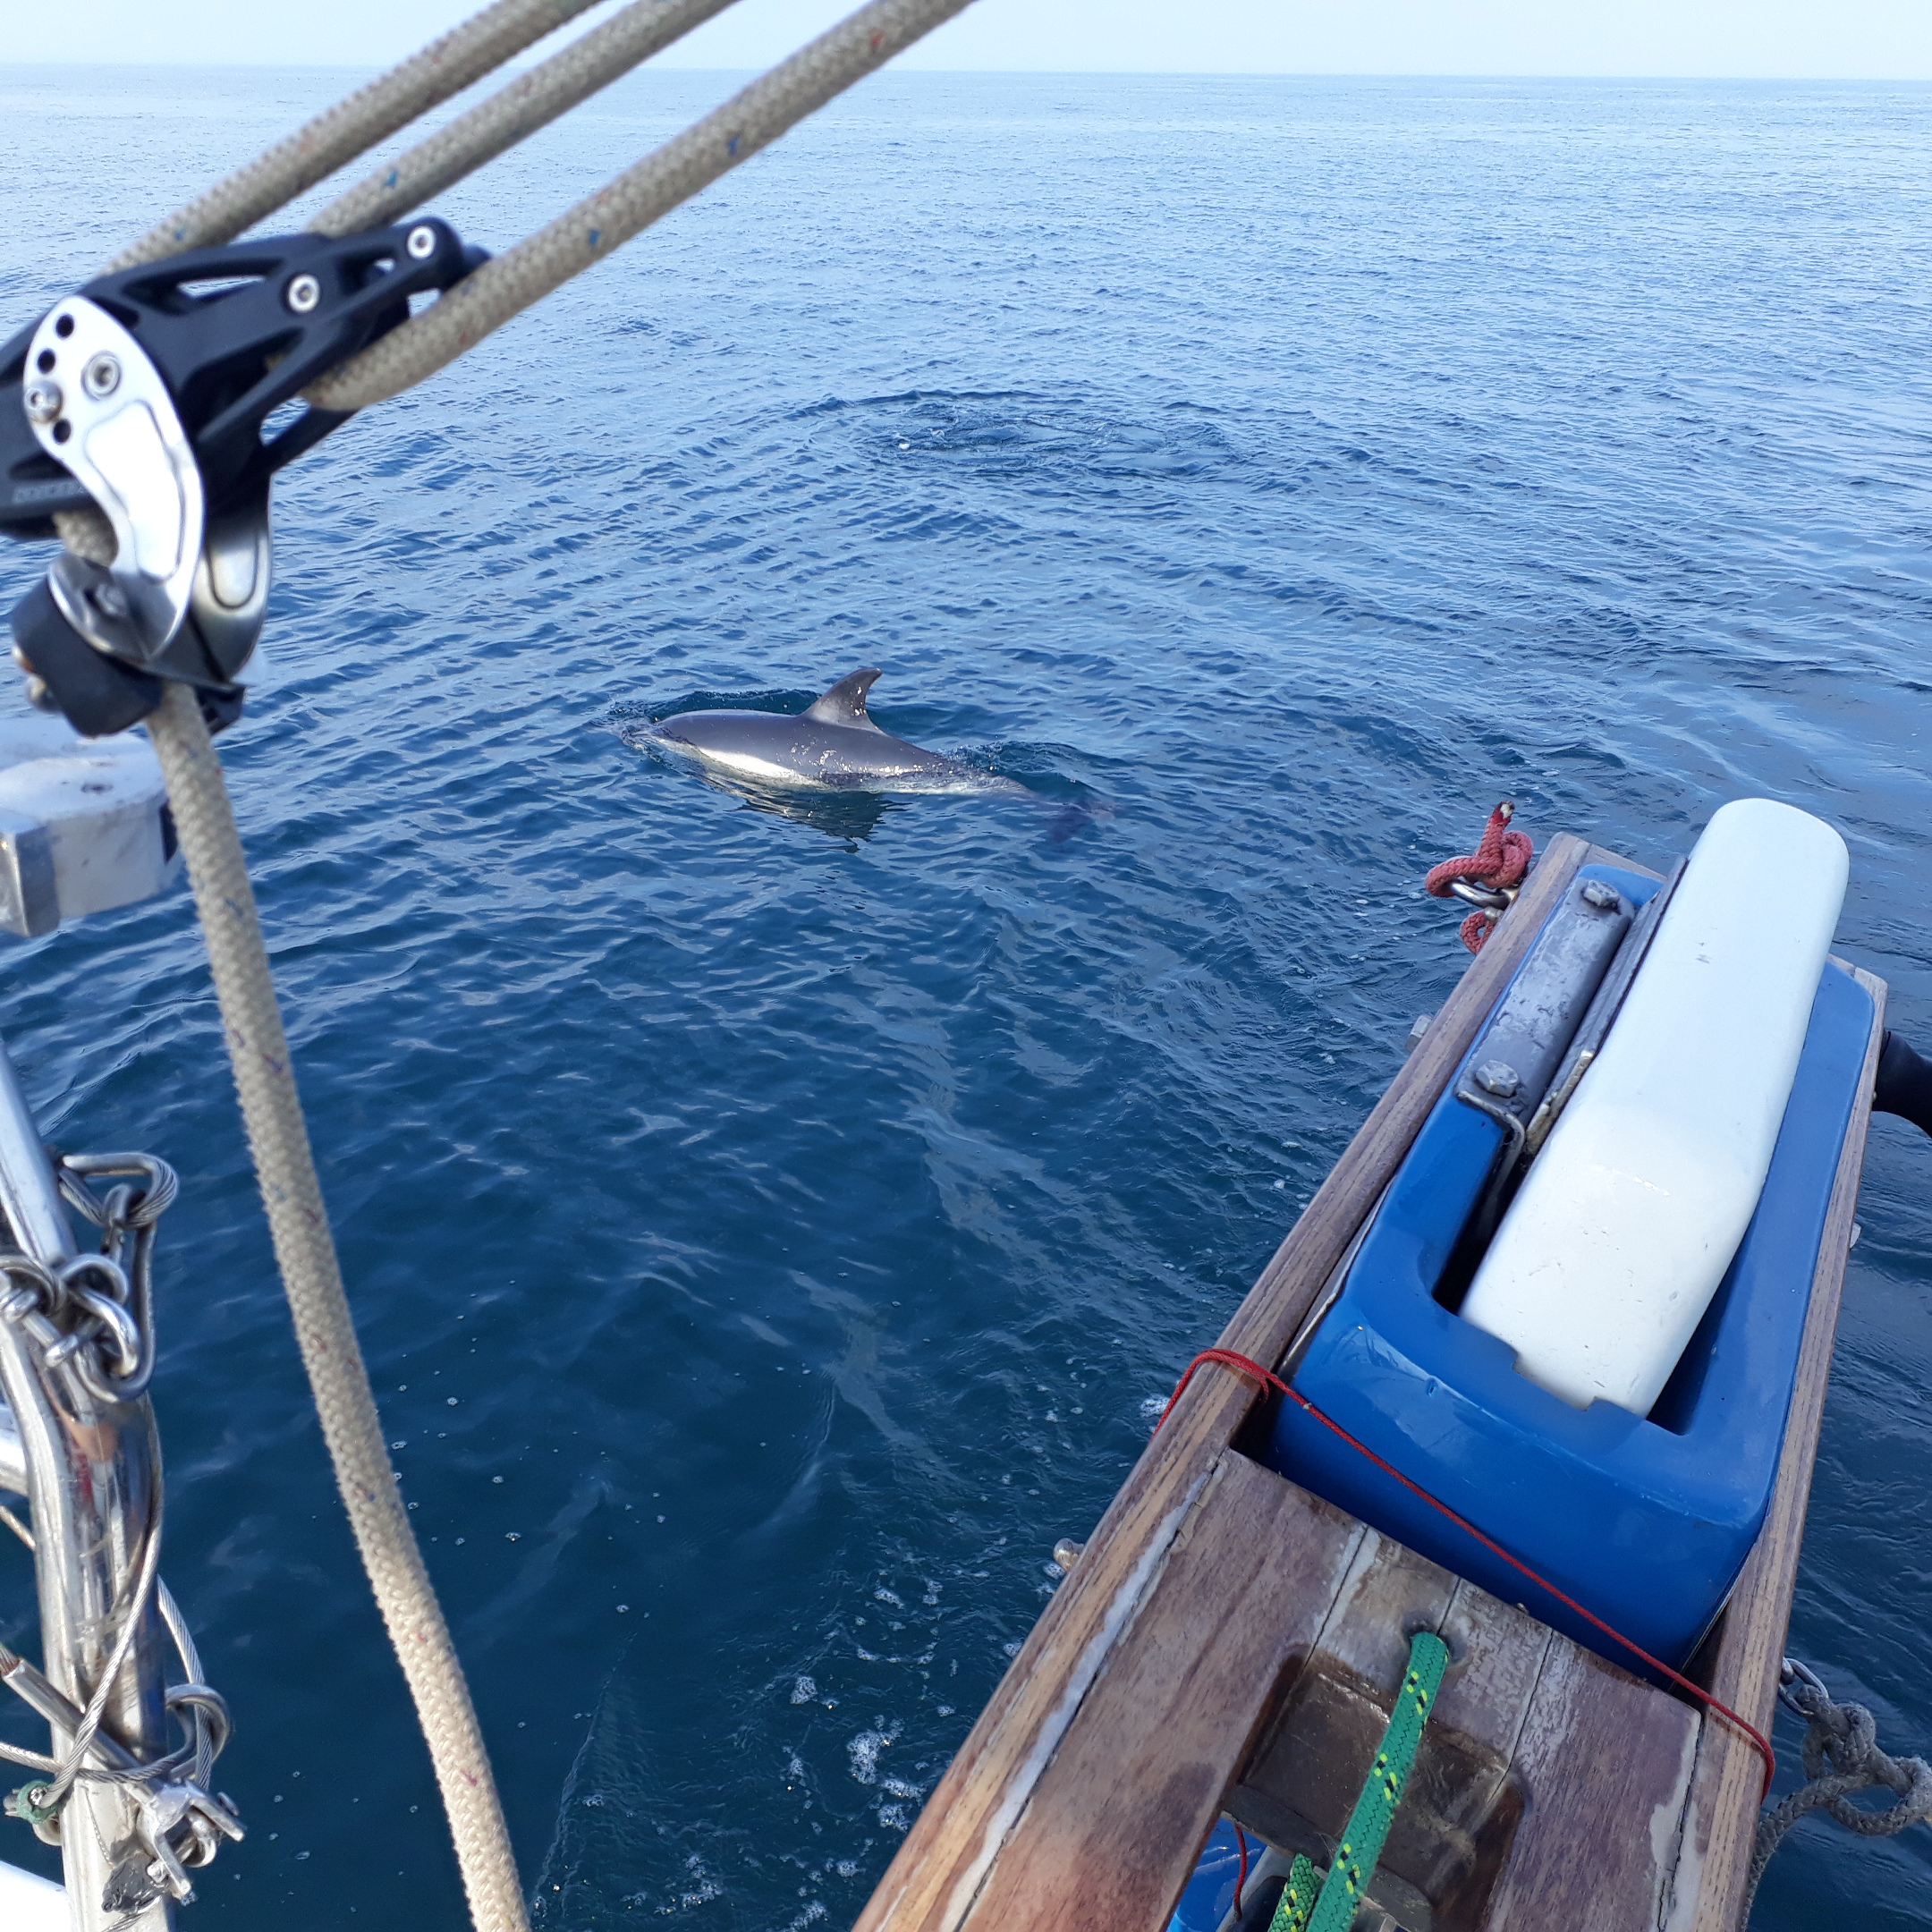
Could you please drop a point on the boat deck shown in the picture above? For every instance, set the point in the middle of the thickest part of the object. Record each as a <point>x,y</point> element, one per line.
<point>1229,1642</point>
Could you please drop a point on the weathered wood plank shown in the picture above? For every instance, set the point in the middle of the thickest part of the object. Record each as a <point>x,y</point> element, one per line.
<point>1389,1593</point>
<point>1603,1763</point>
<point>1118,1818</point>
<point>1499,1652</point>
<point>947,1857</point>
<point>1722,1814</point>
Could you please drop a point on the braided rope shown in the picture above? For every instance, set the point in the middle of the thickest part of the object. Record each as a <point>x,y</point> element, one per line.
<point>1352,1872</point>
<point>1501,860</point>
<point>271,1110</point>
<point>532,100</point>
<point>1841,1756</point>
<point>586,233</point>
<point>335,137</point>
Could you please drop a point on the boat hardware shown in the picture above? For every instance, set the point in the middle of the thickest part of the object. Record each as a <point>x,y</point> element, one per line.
<point>1488,878</point>
<point>1489,898</point>
<point>216,330</point>
<point>117,430</point>
<point>76,1352</point>
<point>1515,1059</point>
<point>1841,1756</point>
<point>1066,1552</point>
<point>1601,1011</point>
<point>155,393</point>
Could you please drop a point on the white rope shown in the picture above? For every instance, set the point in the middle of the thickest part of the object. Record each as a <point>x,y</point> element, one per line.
<point>533,101</point>
<point>335,137</point>
<point>298,1222</point>
<point>506,286</point>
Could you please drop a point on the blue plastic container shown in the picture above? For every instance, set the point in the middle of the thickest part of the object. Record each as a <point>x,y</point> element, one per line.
<point>1646,1521</point>
<point>1210,1892</point>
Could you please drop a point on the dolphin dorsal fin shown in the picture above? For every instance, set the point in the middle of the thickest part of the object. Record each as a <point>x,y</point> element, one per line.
<point>845,703</point>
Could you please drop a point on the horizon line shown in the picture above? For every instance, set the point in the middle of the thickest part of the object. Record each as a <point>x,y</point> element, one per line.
<point>1068,73</point>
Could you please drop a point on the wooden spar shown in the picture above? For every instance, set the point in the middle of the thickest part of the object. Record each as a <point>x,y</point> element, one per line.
<point>1151,1696</point>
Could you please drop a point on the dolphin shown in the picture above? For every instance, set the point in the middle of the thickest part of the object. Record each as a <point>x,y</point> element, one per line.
<point>833,742</point>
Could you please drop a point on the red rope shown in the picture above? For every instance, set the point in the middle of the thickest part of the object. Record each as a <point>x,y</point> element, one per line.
<point>1241,1877</point>
<point>1501,860</point>
<point>1267,1377</point>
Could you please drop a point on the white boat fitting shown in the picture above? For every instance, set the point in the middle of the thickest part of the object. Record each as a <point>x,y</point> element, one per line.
<point>84,824</point>
<point>1627,1221</point>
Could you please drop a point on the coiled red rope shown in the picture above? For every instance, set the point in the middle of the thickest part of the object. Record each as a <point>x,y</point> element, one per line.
<point>1228,1358</point>
<point>1501,860</point>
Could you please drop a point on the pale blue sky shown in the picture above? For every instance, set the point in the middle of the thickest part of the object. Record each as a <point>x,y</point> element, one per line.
<point>1826,39</point>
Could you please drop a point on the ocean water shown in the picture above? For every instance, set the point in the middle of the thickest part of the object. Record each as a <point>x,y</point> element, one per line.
<point>768,1233</point>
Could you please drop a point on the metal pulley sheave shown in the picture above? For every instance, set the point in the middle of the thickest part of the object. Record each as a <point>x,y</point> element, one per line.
<point>166,397</point>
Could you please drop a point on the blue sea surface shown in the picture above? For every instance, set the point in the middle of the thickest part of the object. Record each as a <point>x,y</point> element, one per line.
<point>768,1235</point>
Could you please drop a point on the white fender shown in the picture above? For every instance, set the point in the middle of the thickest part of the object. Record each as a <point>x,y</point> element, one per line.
<point>1628,1219</point>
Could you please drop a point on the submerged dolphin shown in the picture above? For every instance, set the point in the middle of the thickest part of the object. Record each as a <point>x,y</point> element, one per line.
<point>831,742</point>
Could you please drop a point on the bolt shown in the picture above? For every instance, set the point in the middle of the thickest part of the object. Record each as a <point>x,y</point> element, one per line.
<point>421,242</point>
<point>302,293</point>
<point>1498,1077</point>
<point>44,401</point>
<point>110,599</point>
<point>101,376</point>
<point>1601,895</point>
<point>1066,1552</point>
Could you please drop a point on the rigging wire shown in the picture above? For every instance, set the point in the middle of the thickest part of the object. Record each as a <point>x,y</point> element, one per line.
<point>532,100</point>
<point>335,137</point>
<point>730,135</point>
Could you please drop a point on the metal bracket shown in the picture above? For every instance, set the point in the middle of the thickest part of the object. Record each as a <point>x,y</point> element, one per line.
<point>1510,1068</point>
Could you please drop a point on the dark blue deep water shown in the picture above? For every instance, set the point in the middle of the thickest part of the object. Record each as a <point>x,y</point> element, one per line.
<point>766,1235</point>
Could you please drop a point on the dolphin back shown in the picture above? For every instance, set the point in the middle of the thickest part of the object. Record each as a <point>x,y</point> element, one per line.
<point>845,703</point>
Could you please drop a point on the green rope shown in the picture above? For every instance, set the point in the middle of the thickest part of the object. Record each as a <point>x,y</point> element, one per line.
<point>1298,1901</point>
<point>1375,1810</point>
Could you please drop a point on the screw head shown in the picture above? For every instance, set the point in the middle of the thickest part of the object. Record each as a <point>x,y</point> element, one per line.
<point>101,376</point>
<point>302,294</point>
<point>44,401</point>
<point>421,242</point>
<point>109,599</point>
<point>1499,1078</point>
<point>1600,894</point>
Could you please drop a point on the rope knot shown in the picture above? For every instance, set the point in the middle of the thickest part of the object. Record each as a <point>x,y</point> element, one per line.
<point>1841,1756</point>
<point>1497,866</point>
